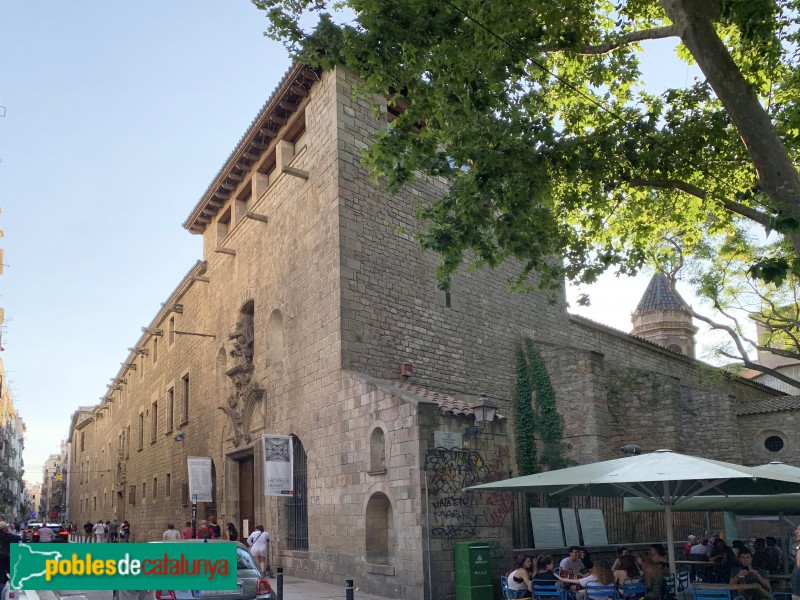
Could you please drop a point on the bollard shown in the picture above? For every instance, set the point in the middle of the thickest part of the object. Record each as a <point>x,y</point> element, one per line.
<point>279,584</point>
<point>348,589</point>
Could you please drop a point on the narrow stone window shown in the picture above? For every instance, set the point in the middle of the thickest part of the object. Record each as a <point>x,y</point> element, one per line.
<point>168,485</point>
<point>154,423</point>
<point>379,530</point>
<point>377,452</point>
<point>171,330</point>
<point>275,342</point>
<point>141,431</point>
<point>185,409</point>
<point>170,409</point>
<point>155,350</point>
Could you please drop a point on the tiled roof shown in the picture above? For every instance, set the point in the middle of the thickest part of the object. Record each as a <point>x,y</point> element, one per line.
<point>768,405</point>
<point>659,296</point>
<point>448,405</point>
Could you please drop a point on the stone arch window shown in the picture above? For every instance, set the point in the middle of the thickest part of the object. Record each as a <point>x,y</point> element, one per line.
<point>297,505</point>
<point>222,362</point>
<point>379,533</point>
<point>377,451</point>
<point>675,348</point>
<point>275,341</point>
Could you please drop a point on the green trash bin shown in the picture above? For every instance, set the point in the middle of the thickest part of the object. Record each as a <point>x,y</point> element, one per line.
<point>473,571</point>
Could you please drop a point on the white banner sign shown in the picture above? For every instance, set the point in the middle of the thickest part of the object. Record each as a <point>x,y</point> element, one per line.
<point>278,465</point>
<point>199,478</point>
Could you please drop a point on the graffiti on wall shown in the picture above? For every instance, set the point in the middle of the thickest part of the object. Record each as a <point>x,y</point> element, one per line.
<point>458,515</point>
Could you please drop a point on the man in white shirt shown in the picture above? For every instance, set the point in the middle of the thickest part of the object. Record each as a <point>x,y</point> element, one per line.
<point>46,534</point>
<point>573,561</point>
<point>171,534</point>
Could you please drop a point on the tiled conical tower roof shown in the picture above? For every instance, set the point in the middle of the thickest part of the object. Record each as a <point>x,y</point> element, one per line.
<point>659,296</point>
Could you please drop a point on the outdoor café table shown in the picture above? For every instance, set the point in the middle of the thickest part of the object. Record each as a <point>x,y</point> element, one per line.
<point>734,587</point>
<point>779,580</point>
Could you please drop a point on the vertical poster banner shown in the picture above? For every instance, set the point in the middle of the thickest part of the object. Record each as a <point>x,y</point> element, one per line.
<point>278,465</point>
<point>200,478</point>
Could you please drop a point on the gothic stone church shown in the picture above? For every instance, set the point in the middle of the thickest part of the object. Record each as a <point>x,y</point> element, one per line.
<point>311,315</point>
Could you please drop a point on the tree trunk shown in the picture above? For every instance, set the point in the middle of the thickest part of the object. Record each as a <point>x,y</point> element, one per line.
<point>777,175</point>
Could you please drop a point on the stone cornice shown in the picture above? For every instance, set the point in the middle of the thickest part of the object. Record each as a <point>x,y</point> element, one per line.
<point>275,113</point>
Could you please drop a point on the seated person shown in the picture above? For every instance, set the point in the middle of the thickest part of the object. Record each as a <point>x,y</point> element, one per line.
<point>572,562</point>
<point>519,583</point>
<point>700,551</point>
<point>544,571</point>
<point>744,573</point>
<point>724,558</point>
<point>599,575</point>
<point>659,555</point>
<point>583,554</point>
<point>736,546</point>
<point>687,547</point>
<point>653,575</point>
<point>775,555</point>
<point>622,551</point>
<point>627,570</point>
<point>761,558</point>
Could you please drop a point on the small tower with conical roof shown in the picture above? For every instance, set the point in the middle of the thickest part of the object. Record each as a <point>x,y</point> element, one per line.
<point>662,317</point>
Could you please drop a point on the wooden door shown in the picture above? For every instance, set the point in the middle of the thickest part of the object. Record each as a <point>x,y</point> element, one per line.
<point>246,495</point>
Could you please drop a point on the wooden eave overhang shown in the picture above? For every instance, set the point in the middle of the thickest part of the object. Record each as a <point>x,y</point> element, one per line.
<point>284,101</point>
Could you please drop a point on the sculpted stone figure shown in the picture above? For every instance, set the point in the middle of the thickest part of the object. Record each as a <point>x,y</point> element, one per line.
<point>242,338</point>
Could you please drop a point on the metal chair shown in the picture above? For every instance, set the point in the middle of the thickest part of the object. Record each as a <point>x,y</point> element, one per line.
<point>633,589</point>
<point>683,582</point>
<point>596,590</point>
<point>711,594</point>
<point>547,590</point>
<point>504,586</point>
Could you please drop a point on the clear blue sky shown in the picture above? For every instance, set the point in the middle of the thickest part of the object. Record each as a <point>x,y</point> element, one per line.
<point>118,116</point>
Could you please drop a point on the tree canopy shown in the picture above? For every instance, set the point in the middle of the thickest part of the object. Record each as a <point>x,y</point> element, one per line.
<point>536,112</point>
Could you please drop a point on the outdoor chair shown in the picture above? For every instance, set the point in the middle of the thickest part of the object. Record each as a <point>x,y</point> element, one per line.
<point>633,589</point>
<point>709,594</point>
<point>780,595</point>
<point>547,590</point>
<point>595,590</point>
<point>683,582</point>
<point>504,586</point>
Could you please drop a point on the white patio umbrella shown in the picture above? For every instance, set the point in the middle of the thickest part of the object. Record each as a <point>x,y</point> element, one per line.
<point>662,477</point>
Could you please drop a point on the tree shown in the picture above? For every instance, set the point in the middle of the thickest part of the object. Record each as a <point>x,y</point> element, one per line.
<point>536,113</point>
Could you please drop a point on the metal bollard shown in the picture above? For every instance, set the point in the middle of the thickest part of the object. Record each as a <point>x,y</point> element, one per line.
<point>279,584</point>
<point>348,589</point>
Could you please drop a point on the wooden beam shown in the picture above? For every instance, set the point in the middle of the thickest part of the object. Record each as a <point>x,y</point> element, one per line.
<point>235,176</point>
<point>222,250</point>
<point>298,91</point>
<point>256,217</point>
<point>288,106</point>
<point>295,172</point>
<point>277,119</point>
<point>268,131</point>
<point>252,154</point>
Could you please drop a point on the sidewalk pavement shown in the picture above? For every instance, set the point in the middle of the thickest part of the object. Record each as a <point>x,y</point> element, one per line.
<point>294,588</point>
<point>297,588</point>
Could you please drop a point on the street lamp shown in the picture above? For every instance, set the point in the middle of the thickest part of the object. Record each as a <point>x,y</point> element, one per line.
<point>484,412</point>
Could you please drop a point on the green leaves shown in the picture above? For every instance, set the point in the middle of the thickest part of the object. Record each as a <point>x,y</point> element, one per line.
<point>537,116</point>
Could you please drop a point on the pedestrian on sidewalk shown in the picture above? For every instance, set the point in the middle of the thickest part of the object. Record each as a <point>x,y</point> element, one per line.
<point>186,533</point>
<point>215,530</point>
<point>171,534</point>
<point>231,534</point>
<point>113,531</point>
<point>88,527</point>
<point>100,532</point>
<point>125,532</point>
<point>259,547</point>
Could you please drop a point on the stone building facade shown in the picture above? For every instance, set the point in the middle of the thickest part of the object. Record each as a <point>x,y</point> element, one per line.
<point>313,313</point>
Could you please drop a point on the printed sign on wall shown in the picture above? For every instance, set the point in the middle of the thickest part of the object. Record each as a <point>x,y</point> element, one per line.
<point>278,465</point>
<point>199,478</point>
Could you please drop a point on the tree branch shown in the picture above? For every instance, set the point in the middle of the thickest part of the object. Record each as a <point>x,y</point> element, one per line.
<point>766,370</point>
<point>698,192</point>
<point>612,44</point>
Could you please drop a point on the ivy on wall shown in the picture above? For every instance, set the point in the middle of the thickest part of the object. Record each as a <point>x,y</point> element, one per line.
<point>533,382</point>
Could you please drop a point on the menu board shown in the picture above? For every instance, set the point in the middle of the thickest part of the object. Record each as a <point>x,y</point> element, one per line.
<point>546,526</point>
<point>593,526</point>
<point>570,521</point>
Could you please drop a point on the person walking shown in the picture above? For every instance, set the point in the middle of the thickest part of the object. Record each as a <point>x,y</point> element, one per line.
<point>88,527</point>
<point>215,530</point>
<point>171,534</point>
<point>99,531</point>
<point>186,533</point>
<point>231,534</point>
<point>6,539</point>
<point>125,532</point>
<point>259,547</point>
<point>113,531</point>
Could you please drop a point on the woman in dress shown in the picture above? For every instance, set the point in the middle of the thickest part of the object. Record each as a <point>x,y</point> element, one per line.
<point>259,547</point>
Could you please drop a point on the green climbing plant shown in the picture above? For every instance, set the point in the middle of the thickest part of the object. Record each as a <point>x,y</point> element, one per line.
<point>533,381</point>
<point>524,420</point>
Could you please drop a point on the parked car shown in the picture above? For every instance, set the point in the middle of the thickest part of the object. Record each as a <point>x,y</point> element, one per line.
<point>251,583</point>
<point>31,532</point>
<point>27,533</point>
